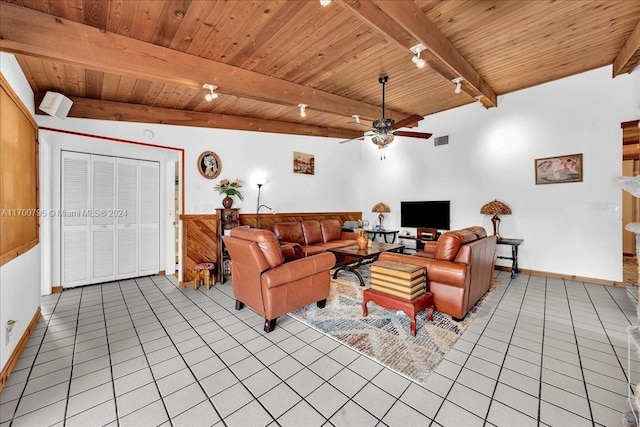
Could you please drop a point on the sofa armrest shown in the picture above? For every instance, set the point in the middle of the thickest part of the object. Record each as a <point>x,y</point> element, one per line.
<point>292,251</point>
<point>298,269</point>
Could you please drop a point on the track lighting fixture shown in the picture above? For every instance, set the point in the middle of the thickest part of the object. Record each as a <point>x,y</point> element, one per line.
<point>479,99</point>
<point>356,118</point>
<point>458,82</point>
<point>212,94</point>
<point>303,113</point>
<point>416,51</point>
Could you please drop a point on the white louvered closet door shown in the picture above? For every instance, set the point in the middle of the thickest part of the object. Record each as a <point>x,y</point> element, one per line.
<point>103,233</point>
<point>75,226</point>
<point>149,224</point>
<point>127,224</point>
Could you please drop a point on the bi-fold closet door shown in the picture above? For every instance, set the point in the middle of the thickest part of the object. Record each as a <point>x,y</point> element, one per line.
<point>110,218</point>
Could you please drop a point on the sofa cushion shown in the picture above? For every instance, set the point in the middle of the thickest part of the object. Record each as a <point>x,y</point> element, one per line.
<point>266,240</point>
<point>331,230</point>
<point>289,232</point>
<point>480,232</point>
<point>448,245</point>
<point>312,232</point>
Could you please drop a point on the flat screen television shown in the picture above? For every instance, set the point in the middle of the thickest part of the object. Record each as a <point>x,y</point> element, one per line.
<point>425,214</point>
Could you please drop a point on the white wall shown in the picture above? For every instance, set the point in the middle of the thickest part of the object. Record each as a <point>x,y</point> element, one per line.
<point>570,229</point>
<point>20,278</point>
<point>243,155</point>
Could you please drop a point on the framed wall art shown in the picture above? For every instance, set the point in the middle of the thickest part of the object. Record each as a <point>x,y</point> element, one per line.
<point>209,165</point>
<point>559,169</point>
<point>303,163</point>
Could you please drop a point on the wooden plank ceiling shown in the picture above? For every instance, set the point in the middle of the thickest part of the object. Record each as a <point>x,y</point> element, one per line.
<point>146,60</point>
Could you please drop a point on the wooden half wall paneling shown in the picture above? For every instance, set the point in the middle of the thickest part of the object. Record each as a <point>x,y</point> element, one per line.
<point>200,236</point>
<point>630,140</point>
<point>19,213</point>
<point>199,242</point>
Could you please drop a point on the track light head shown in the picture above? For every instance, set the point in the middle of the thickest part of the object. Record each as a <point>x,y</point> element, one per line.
<point>418,61</point>
<point>303,112</point>
<point>416,50</point>
<point>458,82</point>
<point>212,94</point>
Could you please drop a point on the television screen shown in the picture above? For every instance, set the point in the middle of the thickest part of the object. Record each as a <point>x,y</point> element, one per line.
<point>426,214</point>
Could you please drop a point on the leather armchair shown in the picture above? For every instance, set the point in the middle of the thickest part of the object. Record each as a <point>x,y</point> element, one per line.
<point>269,286</point>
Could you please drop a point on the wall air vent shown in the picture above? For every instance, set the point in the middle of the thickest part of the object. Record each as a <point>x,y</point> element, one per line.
<point>441,140</point>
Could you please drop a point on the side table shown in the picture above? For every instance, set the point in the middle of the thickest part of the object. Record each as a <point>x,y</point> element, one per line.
<point>390,302</point>
<point>383,233</point>
<point>514,243</point>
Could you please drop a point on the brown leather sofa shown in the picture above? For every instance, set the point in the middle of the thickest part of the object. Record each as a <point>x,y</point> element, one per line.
<point>459,268</point>
<point>313,236</point>
<point>263,281</point>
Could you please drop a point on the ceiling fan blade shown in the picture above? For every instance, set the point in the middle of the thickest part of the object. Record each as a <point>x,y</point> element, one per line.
<point>412,134</point>
<point>362,125</point>
<point>414,118</point>
<point>348,140</point>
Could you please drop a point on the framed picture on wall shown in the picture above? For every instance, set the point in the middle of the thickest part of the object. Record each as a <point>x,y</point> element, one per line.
<point>303,163</point>
<point>559,169</point>
<point>209,165</point>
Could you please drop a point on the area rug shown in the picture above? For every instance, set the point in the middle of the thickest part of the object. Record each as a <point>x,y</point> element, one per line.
<point>384,335</point>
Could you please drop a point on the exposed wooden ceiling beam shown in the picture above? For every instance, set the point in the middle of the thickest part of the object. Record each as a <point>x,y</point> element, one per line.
<point>118,111</point>
<point>404,23</point>
<point>30,32</point>
<point>629,56</point>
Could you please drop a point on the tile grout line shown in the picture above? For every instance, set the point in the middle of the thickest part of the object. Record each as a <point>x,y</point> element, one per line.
<point>33,364</point>
<point>495,387</point>
<point>573,329</point>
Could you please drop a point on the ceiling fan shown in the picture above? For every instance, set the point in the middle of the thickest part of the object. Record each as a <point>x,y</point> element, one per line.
<point>384,129</point>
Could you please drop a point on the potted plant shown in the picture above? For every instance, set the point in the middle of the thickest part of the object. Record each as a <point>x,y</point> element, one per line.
<point>229,189</point>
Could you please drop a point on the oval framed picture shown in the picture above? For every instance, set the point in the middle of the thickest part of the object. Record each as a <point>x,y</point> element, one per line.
<point>209,165</point>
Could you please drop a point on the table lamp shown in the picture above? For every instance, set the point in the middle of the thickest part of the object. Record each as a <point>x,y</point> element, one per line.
<point>495,208</point>
<point>381,209</point>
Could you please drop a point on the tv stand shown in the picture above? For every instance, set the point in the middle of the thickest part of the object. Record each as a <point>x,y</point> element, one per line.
<point>423,235</point>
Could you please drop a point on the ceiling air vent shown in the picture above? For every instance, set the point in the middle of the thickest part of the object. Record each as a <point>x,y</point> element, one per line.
<point>441,140</point>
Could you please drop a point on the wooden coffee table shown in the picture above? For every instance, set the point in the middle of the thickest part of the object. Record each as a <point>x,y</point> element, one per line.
<point>354,257</point>
<point>411,308</point>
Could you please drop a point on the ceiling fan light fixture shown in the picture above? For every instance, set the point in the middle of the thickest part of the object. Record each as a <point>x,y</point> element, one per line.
<point>212,93</point>
<point>458,82</point>
<point>303,112</point>
<point>382,139</point>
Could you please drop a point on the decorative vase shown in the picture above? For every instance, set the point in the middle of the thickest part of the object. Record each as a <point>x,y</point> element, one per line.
<point>227,202</point>
<point>362,240</point>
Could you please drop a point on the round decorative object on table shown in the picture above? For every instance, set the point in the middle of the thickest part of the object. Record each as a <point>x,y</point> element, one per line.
<point>227,202</point>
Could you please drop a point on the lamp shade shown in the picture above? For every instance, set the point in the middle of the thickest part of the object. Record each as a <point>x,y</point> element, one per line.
<point>495,208</point>
<point>381,208</point>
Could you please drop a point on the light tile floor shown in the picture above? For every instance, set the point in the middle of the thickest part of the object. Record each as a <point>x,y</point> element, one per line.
<point>541,351</point>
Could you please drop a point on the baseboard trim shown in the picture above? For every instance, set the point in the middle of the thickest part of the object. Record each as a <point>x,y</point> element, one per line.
<point>15,356</point>
<point>162,273</point>
<point>56,289</point>
<point>565,276</point>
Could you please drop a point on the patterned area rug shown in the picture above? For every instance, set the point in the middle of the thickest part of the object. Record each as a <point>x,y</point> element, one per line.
<point>384,335</point>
